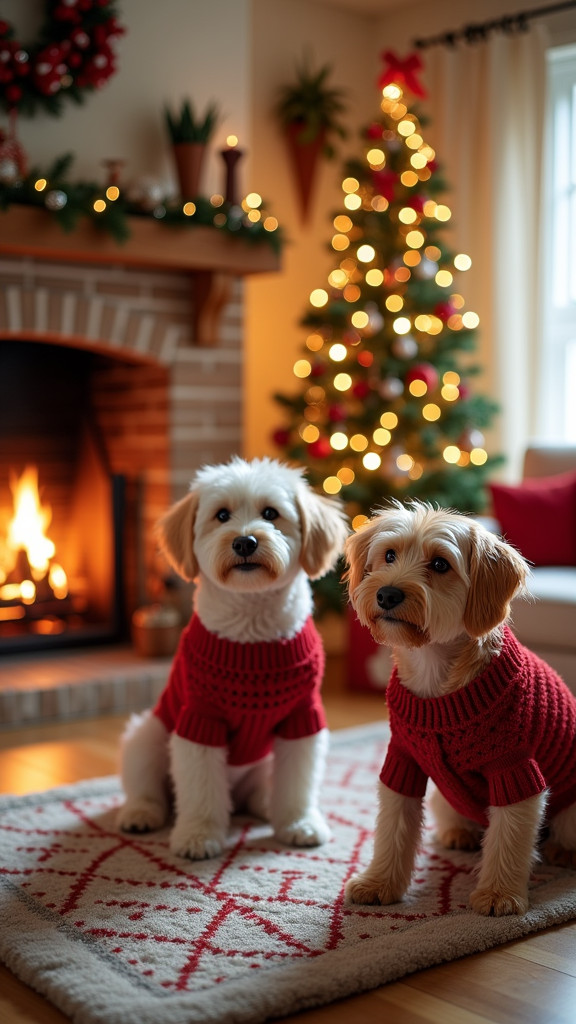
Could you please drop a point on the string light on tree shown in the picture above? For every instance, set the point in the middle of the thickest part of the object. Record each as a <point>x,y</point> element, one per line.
<point>389,332</point>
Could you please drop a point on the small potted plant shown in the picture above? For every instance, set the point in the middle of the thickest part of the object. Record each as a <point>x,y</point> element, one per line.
<point>309,111</point>
<point>190,136</point>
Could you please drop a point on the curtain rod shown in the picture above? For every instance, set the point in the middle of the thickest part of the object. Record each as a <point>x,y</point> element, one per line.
<point>478,31</point>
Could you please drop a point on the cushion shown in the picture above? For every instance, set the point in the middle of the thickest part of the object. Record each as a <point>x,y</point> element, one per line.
<point>547,619</point>
<point>539,517</point>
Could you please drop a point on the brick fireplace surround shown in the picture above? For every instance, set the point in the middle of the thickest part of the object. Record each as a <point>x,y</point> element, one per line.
<point>165,309</point>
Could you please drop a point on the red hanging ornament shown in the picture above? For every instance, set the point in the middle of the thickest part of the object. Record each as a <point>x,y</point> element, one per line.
<point>444,310</point>
<point>337,413</point>
<point>424,372</point>
<point>374,131</point>
<point>281,437</point>
<point>317,369</point>
<point>384,183</point>
<point>417,202</point>
<point>320,449</point>
<point>402,72</point>
<point>361,389</point>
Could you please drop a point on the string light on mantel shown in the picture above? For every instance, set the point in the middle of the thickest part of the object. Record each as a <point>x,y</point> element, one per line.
<point>386,408</point>
<point>112,204</point>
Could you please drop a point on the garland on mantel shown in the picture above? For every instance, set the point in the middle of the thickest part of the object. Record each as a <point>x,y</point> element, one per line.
<point>109,208</point>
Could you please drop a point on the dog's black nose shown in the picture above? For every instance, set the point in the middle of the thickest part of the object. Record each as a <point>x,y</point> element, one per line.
<point>389,597</point>
<point>244,546</point>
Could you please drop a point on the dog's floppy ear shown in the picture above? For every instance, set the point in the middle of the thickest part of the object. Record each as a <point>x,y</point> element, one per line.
<point>356,551</point>
<point>175,533</point>
<point>324,530</point>
<point>497,573</point>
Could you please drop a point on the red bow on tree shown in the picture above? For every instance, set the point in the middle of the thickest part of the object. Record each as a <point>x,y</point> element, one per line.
<point>402,72</point>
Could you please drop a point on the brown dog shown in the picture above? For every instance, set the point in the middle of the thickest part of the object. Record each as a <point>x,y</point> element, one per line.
<point>472,709</point>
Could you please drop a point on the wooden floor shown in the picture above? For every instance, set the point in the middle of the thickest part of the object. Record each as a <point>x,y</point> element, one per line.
<point>532,981</point>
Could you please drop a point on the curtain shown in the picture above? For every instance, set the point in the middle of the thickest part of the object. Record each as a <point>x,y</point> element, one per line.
<point>486,104</point>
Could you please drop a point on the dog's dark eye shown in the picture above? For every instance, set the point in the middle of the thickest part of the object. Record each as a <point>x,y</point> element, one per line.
<point>222,515</point>
<point>270,513</point>
<point>439,565</point>
<point>390,555</point>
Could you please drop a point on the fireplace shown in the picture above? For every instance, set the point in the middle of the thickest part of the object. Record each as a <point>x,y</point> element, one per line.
<point>120,375</point>
<point>62,509</point>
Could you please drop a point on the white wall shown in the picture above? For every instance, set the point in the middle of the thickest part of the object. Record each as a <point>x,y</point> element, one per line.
<point>172,50</point>
<point>282,31</point>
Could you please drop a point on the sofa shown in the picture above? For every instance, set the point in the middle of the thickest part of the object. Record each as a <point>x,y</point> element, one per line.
<point>539,517</point>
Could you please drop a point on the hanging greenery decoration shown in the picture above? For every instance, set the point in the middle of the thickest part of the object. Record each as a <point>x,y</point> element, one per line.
<point>73,55</point>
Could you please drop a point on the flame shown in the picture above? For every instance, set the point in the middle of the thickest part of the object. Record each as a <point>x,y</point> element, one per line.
<point>27,532</point>
<point>27,529</point>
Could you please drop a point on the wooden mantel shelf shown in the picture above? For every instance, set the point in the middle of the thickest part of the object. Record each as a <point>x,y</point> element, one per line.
<point>212,258</point>
<point>29,231</point>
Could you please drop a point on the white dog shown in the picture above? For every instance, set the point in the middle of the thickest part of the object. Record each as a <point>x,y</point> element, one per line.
<point>492,725</point>
<point>246,678</point>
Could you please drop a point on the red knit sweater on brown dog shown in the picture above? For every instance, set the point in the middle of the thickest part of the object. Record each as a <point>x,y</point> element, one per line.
<point>508,735</point>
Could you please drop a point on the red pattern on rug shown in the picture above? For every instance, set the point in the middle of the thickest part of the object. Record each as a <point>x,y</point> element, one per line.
<point>187,927</point>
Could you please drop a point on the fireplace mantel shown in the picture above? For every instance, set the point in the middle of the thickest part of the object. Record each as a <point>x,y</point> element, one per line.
<point>212,258</point>
<point>29,231</point>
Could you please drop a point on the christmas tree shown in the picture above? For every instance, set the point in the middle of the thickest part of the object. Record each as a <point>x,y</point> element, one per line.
<point>385,407</point>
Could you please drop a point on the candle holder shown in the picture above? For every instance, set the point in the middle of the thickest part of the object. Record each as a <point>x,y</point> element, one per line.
<point>114,168</point>
<point>231,157</point>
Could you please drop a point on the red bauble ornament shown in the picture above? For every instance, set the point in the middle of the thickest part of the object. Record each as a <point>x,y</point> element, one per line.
<point>351,337</point>
<point>444,310</point>
<point>417,202</point>
<point>336,413</point>
<point>384,183</point>
<point>360,389</point>
<point>320,449</point>
<point>425,372</point>
<point>374,131</point>
<point>281,438</point>
<point>317,369</point>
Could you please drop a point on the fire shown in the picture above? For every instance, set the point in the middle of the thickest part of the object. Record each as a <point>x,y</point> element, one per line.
<point>28,551</point>
<point>27,529</point>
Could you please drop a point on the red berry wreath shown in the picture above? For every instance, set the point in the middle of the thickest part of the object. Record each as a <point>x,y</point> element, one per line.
<point>72,55</point>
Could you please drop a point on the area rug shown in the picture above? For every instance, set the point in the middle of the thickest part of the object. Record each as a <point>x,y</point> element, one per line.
<point>114,929</point>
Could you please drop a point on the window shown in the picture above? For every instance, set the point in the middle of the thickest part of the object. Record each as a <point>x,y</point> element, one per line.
<point>558,393</point>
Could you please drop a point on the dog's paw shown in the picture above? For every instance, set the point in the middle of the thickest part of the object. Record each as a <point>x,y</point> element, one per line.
<point>310,830</point>
<point>459,839</point>
<point>196,843</point>
<point>559,856</point>
<point>141,816</point>
<point>493,903</point>
<point>366,889</point>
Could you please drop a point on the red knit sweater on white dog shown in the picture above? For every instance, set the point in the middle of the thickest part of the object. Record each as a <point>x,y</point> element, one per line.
<point>508,735</point>
<point>222,693</point>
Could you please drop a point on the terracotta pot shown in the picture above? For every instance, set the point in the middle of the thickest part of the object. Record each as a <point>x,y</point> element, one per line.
<point>189,159</point>
<point>304,157</point>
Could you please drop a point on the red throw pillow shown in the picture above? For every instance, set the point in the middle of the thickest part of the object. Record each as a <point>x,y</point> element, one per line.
<point>539,518</point>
